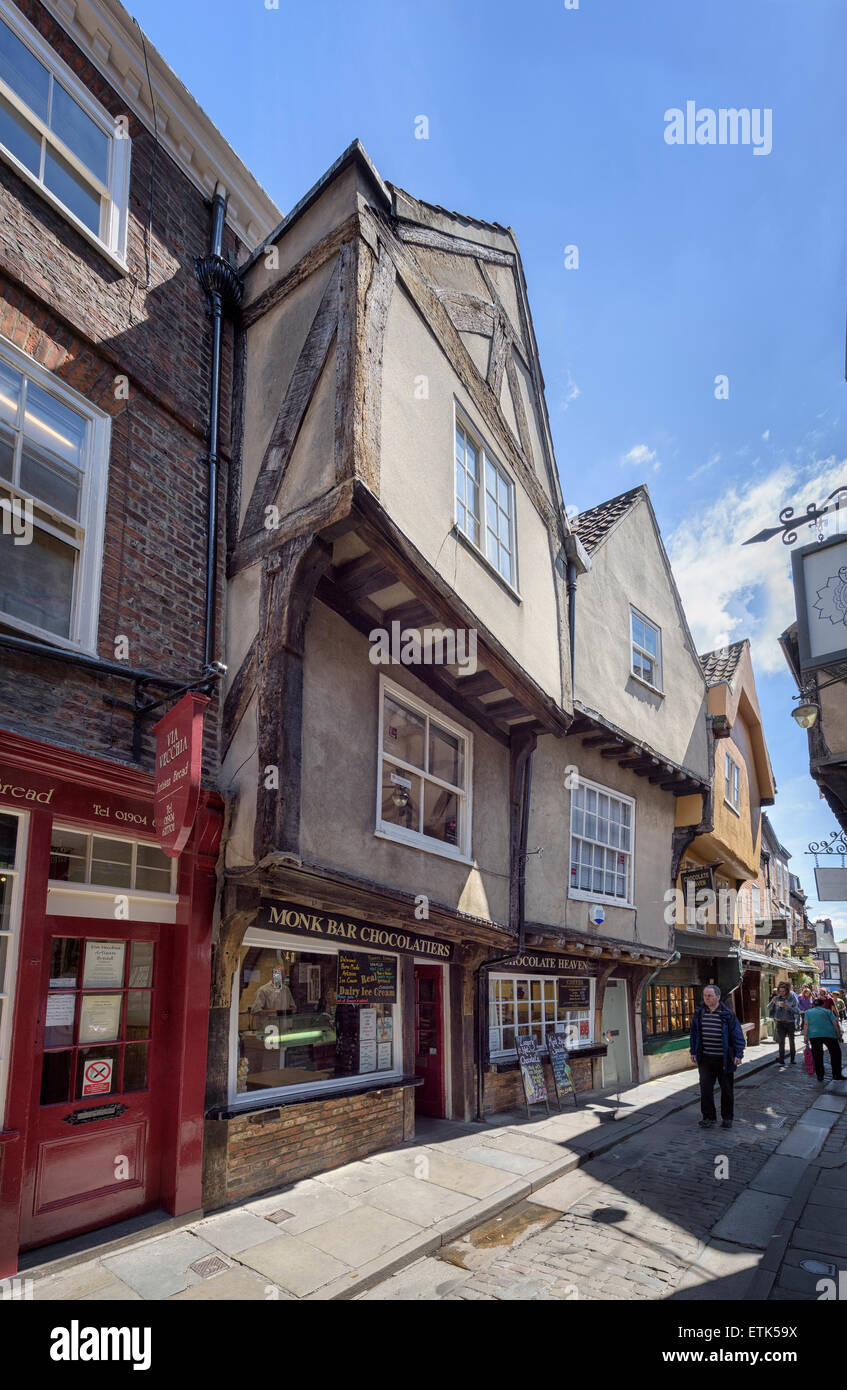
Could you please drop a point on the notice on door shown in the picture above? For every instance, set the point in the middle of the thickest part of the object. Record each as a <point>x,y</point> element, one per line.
<point>99,1018</point>
<point>104,964</point>
<point>97,1077</point>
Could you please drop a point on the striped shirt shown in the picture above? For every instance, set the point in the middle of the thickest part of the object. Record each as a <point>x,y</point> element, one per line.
<point>712,1027</point>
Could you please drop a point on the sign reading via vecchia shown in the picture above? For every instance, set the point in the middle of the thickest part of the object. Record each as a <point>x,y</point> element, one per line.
<point>179,759</point>
<point>334,926</point>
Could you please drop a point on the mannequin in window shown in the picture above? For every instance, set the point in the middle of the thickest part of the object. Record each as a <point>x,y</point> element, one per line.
<point>274,997</point>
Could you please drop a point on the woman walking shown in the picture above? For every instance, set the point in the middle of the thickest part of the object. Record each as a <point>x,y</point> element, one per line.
<point>820,1028</point>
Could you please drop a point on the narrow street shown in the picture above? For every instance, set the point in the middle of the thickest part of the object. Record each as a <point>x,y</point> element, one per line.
<point>674,1212</point>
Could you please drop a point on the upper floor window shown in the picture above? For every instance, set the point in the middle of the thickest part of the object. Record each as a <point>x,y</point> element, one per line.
<point>732,782</point>
<point>646,649</point>
<point>52,494</point>
<point>55,134</point>
<point>77,856</point>
<point>485,503</point>
<point>756,894</point>
<point>423,792</point>
<point>602,833</point>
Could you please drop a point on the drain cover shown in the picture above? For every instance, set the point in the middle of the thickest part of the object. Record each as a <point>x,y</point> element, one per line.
<point>280,1215</point>
<point>209,1265</point>
<point>816,1267</point>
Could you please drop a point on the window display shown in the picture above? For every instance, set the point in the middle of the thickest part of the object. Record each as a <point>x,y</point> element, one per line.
<point>533,1007</point>
<point>310,1016</point>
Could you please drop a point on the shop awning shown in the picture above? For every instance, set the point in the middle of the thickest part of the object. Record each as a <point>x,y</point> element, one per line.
<point>693,944</point>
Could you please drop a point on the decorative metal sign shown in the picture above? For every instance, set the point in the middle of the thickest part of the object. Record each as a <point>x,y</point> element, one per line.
<point>836,844</point>
<point>789,523</point>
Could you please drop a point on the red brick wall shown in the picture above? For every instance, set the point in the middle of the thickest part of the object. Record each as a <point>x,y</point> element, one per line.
<point>504,1089</point>
<point>299,1140</point>
<point>66,306</point>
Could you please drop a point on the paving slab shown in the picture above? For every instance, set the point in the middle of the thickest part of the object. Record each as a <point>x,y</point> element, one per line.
<point>362,1235</point>
<point>543,1150</point>
<point>824,1242</point>
<point>832,1220</point>
<point>233,1231</point>
<point>116,1291</point>
<point>721,1271</point>
<point>779,1175</point>
<point>805,1140</point>
<point>427,1279</point>
<point>356,1179</point>
<point>450,1170</point>
<point>751,1220</point>
<point>235,1285</point>
<point>566,1191</point>
<point>419,1201</point>
<point>836,1103</point>
<point>75,1283</point>
<point>159,1268</point>
<point>837,1088</point>
<point>293,1264</point>
<point>833,1198</point>
<point>312,1206</point>
<point>501,1158</point>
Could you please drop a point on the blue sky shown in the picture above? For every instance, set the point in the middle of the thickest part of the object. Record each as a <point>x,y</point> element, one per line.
<point>694,260</point>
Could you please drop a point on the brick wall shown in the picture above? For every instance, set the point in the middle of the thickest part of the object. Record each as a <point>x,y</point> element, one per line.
<point>67,307</point>
<point>274,1147</point>
<point>504,1089</point>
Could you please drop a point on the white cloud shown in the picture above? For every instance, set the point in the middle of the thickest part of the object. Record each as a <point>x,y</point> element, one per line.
<point>640,456</point>
<point>730,590</point>
<point>766,434</point>
<point>704,467</point>
<point>571,392</point>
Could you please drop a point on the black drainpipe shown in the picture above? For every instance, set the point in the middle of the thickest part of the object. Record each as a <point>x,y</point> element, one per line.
<point>223,290</point>
<point>571,588</point>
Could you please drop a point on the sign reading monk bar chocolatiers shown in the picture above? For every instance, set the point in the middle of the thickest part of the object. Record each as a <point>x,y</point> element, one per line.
<point>335,926</point>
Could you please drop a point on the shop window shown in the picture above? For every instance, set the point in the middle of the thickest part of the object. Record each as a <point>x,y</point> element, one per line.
<point>309,1017</point>
<point>54,133</point>
<point>602,834</point>
<point>53,459</point>
<point>669,1010</point>
<point>11,857</point>
<point>533,1007</point>
<point>424,776</point>
<point>78,857</point>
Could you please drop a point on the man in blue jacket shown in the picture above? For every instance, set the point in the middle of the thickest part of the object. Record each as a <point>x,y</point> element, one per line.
<point>717,1046</point>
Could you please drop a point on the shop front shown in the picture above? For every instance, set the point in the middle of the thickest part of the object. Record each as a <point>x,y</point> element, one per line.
<point>340,1032</point>
<point>104,971</point>
<point>673,993</point>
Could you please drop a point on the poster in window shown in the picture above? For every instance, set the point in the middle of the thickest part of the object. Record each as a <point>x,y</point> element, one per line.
<point>383,1056</point>
<point>104,964</point>
<point>367,1025</point>
<point>99,1018</point>
<point>366,979</point>
<point>574,993</point>
<point>367,1053</point>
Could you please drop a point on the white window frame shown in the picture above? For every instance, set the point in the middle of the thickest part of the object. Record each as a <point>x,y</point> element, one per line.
<point>498,1054</point>
<point>636,647</point>
<point>384,830</point>
<point>732,786</point>
<point>583,894</point>
<point>85,603</point>
<point>114,194</point>
<point>277,941</point>
<point>485,455</point>
<point>12,938</point>
<point>65,886</point>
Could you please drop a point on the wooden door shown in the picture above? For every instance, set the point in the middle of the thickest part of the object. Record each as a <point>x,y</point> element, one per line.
<point>98,1105</point>
<point>429,1040</point>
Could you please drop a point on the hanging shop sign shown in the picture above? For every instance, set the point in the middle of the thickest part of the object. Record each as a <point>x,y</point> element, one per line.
<point>533,964</point>
<point>325,926</point>
<point>820,594</point>
<point>701,880</point>
<point>831,884</point>
<point>807,939</point>
<point>179,759</point>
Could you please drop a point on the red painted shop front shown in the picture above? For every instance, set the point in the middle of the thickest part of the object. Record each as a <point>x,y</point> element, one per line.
<point>105,998</point>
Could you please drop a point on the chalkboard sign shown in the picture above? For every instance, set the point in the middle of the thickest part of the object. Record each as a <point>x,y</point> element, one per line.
<point>366,979</point>
<point>562,1077</point>
<point>574,994</point>
<point>532,1074</point>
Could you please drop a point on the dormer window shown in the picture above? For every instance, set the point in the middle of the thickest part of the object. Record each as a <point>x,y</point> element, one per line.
<point>646,650</point>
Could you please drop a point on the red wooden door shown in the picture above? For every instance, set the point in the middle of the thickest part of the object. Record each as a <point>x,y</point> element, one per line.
<point>96,1121</point>
<point>429,1040</point>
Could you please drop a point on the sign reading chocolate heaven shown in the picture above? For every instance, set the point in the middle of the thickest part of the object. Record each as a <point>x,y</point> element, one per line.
<point>326,926</point>
<point>550,965</point>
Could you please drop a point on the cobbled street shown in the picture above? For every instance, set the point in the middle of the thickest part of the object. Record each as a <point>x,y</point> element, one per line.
<point>644,1221</point>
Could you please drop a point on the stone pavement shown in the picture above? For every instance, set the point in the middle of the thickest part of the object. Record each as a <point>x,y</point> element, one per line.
<point>612,1199</point>
<point>674,1212</point>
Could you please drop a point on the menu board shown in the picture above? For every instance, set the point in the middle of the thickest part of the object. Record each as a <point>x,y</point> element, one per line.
<point>532,1074</point>
<point>366,979</point>
<point>562,1076</point>
<point>574,994</point>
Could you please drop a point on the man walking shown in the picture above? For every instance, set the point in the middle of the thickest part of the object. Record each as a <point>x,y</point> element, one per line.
<point>784,1009</point>
<point>821,1029</point>
<point>717,1046</point>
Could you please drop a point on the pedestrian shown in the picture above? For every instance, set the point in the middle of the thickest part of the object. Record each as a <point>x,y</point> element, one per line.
<point>784,1009</point>
<point>841,1007</point>
<point>821,1029</point>
<point>717,1046</point>
<point>805,1001</point>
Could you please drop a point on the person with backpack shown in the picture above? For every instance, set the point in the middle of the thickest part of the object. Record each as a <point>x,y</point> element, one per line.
<point>784,1009</point>
<point>821,1029</point>
<point>717,1046</point>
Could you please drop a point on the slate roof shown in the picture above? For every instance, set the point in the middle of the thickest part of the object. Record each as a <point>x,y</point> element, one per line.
<point>593,526</point>
<point>722,665</point>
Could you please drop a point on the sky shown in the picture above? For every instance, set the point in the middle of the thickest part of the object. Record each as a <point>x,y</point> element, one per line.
<point>696,341</point>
